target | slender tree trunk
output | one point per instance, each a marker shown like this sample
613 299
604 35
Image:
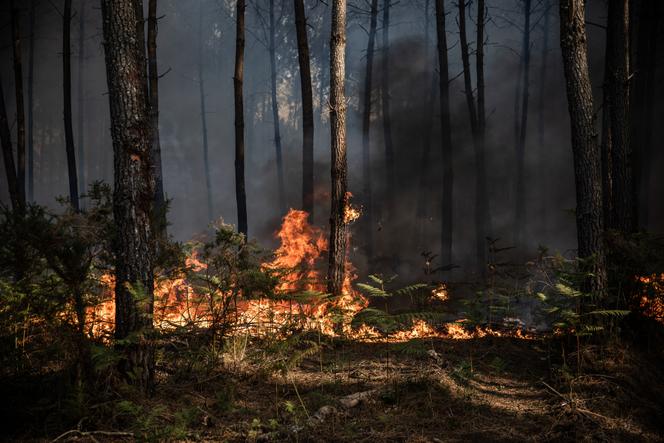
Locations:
366 132
424 195
201 91
622 194
590 226
605 146
387 119
307 110
153 78
446 137
275 112
66 88
31 105
540 114
20 110
240 192
8 154
133 184
520 209
481 197
81 99
337 252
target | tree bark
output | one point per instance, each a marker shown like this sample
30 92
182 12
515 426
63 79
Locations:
387 119
31 102
366 132
338 238
622 186
133 194
589 221
81 100
307 110
520 200
240 192
66 89
201 92
446 137
275 113
8 154
20 110
153 78
481 198
540 121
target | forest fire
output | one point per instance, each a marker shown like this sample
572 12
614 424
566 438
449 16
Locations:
651 300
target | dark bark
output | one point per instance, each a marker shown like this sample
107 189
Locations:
240 192
366 132
541 109
81 100
8 153
66 89
481 198
201 92
338 237
20 110
617 87
275 113
589 221
446 137
153 78
31 103
307 110
605 145
133 184
520 200
387 119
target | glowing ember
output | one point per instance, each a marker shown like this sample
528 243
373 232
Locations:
651 301
440 292
351 213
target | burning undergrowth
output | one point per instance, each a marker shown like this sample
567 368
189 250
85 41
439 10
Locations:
234 288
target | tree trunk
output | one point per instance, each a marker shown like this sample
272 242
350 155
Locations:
337 252
605 146
387 120
20 111
81 100
366 131
307 110
590 226
66 89
481 199
201 91
240 193
520 207
446 137
153 77
31 103
622 182
133 184
8 154
540 120
275 113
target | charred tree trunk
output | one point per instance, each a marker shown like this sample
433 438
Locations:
133 185
153 78
31 105
520 208
387 119
617 78
20 111
540 114
366 132
240 192
605 146
481 198
337 254
307 110
8 154
81 99
589 221
201 92
66 89
275 113
446 137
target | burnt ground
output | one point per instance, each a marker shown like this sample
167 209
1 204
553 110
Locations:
425 390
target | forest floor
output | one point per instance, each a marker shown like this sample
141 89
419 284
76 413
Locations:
424 390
